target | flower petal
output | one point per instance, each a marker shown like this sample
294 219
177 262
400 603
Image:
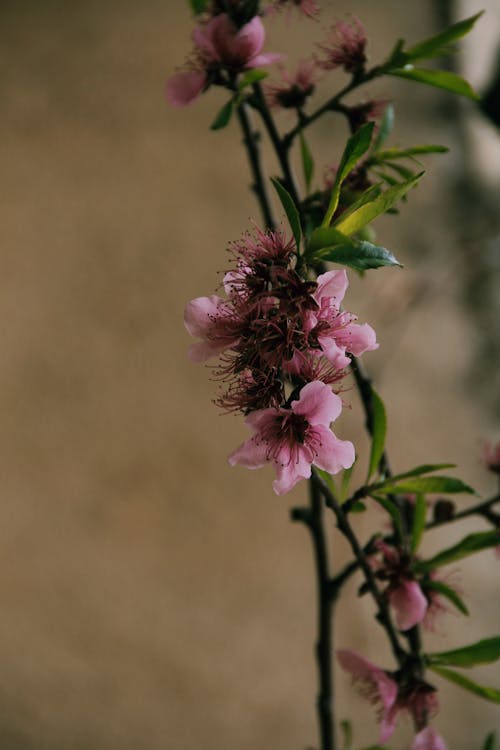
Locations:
333 352
290 471
332 284
359 338
333 454
428 739
252 454
409 604
318 404
385 689
199 314
183 88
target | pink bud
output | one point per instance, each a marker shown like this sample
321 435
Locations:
428 739
409 603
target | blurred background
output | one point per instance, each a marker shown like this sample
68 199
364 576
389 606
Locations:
150 596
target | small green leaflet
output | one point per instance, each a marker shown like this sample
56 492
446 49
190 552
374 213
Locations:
346 727
358 255
467 546
404 153
357 145
438 45
385 127
378 430
418 525
489 693
325 237
442 79
328 480
290 210
251 76
367 197
392 510
354 221
425 485
482 652
223 116
198 6
422 469
346 479
307 162
489 743
449 593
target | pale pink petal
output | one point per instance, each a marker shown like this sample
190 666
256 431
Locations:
409 604
200 312
203 350
203 37
359 338
428 739
249 40
252 454
318 404
385 688
387 725
333 352
266 58
183 88
332 284
289 472
258 419
333 454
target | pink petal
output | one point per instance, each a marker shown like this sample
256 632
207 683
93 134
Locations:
333 352
266 58
199 314
252 454
359 338
364 670
258 419
318 404
387 725
333 454
332 284
203 350
203 37
428 739
183 88
409 604
249 40
289 472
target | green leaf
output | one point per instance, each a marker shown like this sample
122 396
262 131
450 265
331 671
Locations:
367 197
425 485
346 727
198 6
369 211
325 237
346 478
438 45
251 76
418 525
358 507
307 162
290 210
223 116
403 153
360 256
401 170
328 480
442 79
467 546
489 743
423 469
357 145
378 429
489 693
385 127
392 510
449 593
482 652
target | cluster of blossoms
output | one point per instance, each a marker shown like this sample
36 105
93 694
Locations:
284 344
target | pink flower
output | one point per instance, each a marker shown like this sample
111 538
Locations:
345 47
409 604
219 42
212 320
293 439
295 87
392 693
332 330
428 739
491 456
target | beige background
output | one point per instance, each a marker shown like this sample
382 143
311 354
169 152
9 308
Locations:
151 597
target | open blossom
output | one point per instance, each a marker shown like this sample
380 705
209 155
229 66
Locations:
294 88
219 42
390 692
294 438
335 332
403 592
428 739
344 47
210 319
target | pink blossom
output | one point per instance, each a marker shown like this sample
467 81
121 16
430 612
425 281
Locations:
392 693
219 42
211 319
428 739
295 87
293 439
491 456
345 47
334 331
409 604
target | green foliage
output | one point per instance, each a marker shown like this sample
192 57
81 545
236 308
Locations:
358 255
378 429
250 77
488 693
439 44
490 742
442 79
392 510
346 727
346 478
403 153
385 127
290 210
357 145
307 162
364 214
198 6
324 237
418 524
422 469
482 652
467 546
223 116
425 485
449 593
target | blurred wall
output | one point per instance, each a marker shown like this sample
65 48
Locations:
151 597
